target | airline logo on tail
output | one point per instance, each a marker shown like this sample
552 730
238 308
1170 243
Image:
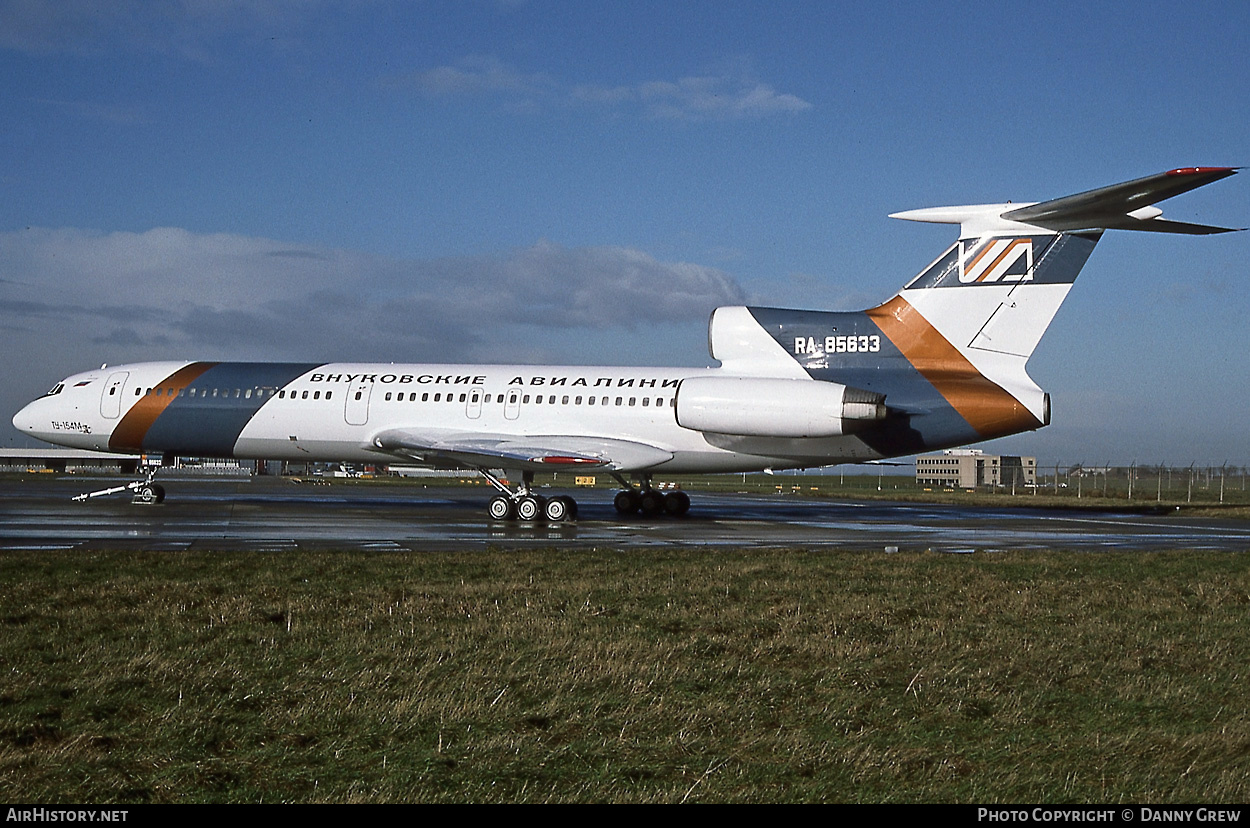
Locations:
996 260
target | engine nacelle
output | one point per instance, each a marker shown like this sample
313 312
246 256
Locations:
760 407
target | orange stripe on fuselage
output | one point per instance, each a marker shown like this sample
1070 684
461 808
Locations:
133 427
986 406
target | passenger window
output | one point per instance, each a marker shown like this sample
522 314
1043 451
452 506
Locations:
316 395
304 396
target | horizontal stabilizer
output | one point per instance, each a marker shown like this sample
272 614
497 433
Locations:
1126 206
1123 206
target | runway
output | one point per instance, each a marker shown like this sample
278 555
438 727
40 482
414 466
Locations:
272 514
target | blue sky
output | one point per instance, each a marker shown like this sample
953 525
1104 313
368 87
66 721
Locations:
582 182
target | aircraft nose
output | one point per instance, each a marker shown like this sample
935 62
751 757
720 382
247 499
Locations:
34 420
24 420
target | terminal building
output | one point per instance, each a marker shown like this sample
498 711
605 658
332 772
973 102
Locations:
80 461
973 469
68 460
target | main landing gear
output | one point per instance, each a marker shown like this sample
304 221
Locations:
526 505
648 501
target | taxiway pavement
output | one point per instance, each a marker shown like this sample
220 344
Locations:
271 514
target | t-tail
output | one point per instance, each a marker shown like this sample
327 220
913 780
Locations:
948 352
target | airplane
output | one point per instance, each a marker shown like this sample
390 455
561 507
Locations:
940 364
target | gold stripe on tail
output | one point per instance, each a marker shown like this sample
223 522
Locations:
987 407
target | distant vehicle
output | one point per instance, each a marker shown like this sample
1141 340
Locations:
940 364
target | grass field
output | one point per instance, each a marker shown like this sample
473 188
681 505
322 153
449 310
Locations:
624 675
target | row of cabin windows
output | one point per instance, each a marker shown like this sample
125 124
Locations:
248 393
537 399
203 393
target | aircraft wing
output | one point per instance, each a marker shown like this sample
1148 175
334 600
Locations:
534 453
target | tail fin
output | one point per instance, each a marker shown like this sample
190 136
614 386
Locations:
976 314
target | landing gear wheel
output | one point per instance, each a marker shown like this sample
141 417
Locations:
501 508
676 503
560 509
626 502
150 493
529 507
651 503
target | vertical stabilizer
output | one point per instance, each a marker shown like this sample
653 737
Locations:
970 321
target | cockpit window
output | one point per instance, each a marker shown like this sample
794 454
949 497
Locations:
56 389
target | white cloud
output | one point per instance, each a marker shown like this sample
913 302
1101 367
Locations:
479 74
229 296
71 299
709 97
735 94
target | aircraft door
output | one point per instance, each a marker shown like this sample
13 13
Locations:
111 396
356 409
473 408
512 404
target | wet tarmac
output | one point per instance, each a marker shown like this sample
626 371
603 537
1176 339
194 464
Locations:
265 514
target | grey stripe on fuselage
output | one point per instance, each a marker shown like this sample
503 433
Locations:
208 425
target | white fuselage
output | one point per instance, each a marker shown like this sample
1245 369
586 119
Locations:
334 412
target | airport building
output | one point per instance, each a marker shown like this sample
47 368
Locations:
973 469
67 460
81 461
